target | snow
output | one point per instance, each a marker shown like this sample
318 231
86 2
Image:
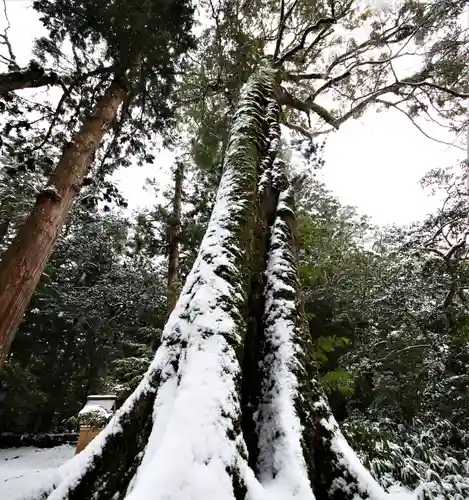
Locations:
196 448
22 467
366 483
95 410
195 441
281 462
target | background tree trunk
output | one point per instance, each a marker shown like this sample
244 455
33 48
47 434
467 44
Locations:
24 261
173 238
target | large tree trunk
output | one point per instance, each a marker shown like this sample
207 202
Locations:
24 261
173 239
184 433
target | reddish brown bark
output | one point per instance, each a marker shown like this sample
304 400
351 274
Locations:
24 261
173 239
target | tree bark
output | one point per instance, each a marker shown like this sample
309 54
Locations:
173 239
24 261
32 77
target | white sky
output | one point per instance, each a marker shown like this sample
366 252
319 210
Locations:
373 163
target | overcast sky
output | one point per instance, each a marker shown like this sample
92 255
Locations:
374 163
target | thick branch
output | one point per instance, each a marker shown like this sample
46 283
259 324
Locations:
31 77
285 98
330 83
291 77
281 29
359 108
452 92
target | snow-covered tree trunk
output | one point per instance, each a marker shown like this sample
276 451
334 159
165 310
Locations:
230 407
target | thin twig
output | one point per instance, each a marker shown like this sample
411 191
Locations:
5 36
414 123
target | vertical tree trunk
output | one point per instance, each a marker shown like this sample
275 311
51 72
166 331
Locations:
173 239
24 261
200 341
182 432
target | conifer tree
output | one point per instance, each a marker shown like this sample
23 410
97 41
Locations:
230 327
142 68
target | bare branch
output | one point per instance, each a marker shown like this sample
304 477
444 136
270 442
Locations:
6 39
400 351
329 84
415 124
309 134
281 29
452 92
323 24
322 34
359 108
460 244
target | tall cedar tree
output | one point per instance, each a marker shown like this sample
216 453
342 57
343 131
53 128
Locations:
142 40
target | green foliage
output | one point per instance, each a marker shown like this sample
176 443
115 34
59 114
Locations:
96 311
338 380
430 458
20 395
388 322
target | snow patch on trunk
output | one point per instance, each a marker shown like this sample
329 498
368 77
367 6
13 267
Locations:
281 464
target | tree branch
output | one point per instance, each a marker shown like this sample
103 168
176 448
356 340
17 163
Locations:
285 98
32 77
324 23
329 84
432 85
292 77
5 38
359 108
67 92
414 123
309 134
281 29
400 351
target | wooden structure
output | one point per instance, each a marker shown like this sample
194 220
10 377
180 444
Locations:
93 417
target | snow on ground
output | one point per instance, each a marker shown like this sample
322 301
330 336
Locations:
22 468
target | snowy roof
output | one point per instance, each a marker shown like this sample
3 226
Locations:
96 409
